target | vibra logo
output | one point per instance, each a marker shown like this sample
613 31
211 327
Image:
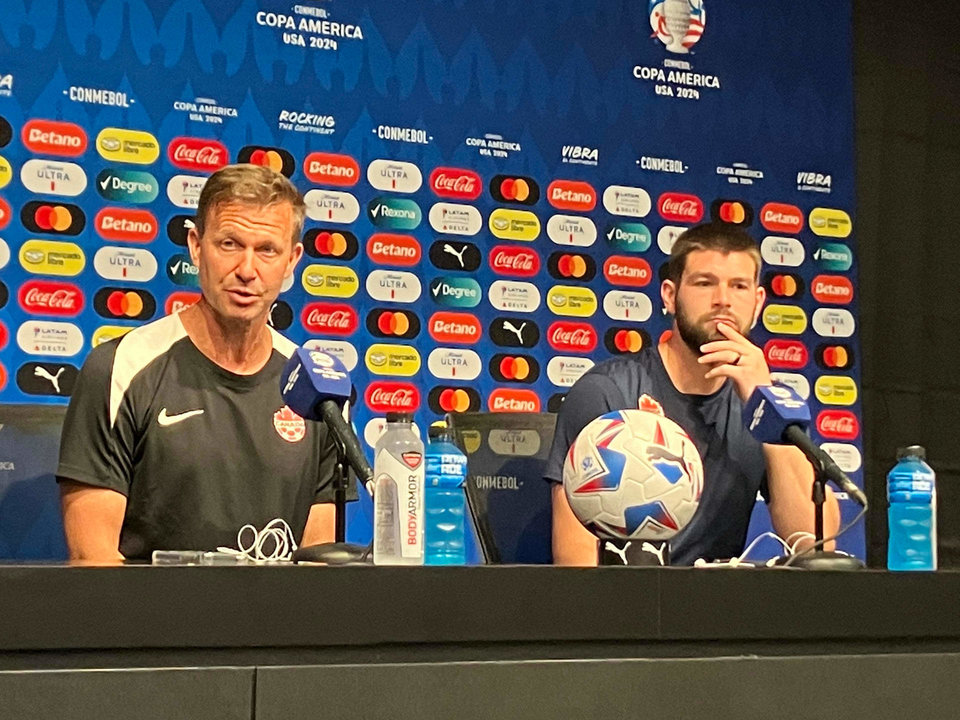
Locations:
572 195
394 176
838 424
781 218
678 25
579 154
571 230
277 159
49 137
393 286
832 289
120 263
814 182
513 400
126 224
449 327
455 292
129 146
331 169
572 337
382 397
40 297
331 206
629 271
786 354
679 207
516 261
454 364
456 183
197 155
390 249
329 319
133 186
49 177
54 219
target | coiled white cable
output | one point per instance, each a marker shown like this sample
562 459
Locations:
277 532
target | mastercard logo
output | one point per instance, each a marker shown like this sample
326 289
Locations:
451 327
124 303
622 341
447 399
393 323
834 357
277 159
330 243
731 212
784 285
514 189
514 368
571 266
53 218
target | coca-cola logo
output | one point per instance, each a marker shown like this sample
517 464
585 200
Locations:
384 397
572 337
51 298
330 318
518 262
679 207
781 218
788 354
456 183
838 424
197 154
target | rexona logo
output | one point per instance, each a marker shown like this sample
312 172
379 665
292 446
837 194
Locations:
277 159
830 222
40 297
46 257
781 218
43 378
832 289
132 186
389 249
512 295
835 390
786 354
124 304
394 176
564 371
394 213
514 189
445 398
629 201
679 207
629 271
455 255
626 305
515 261
54 219
621 340
331 243
571 266
514 332
128 146
180 300
571 301
514 368
330 281
513 400
509 224
783 251
120 263
331 206
572 337
456 183
393 323
182 271
454 364
43 337
833 322
455 219
572 195
329 319
628 237
384 397
398 360
49 137
49 177
833 256
784 319
393 286
455 292
732 212
838 424
331 169
449 327
197 155
571 230
126 224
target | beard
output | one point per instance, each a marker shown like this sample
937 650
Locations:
697 332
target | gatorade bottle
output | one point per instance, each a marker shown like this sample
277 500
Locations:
398 494
446 473
912 517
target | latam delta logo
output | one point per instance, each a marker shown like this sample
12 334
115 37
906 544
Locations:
678 24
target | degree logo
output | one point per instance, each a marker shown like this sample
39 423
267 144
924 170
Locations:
515 296
833 256
456 183
830 222
197 155
397 360
572 195
331 169
838 424
731 212
50 218
571 266
832 289
783 251
628 237
450 327
455 219
383 397
514 189
621 340
834 357
514 332
132 186
784 319
277 159
454 364
128 146
513 400
49 177
50 137
509 224
329 319
391 249
835 390
393 323
784 285
564 370
180 300
572 301
330 243
330 281
45 337
331 206
571 230
456 292
126 225
786 354
394 176
627 305
182 271
446 398
47 257
515 261
629 271
42 297
781 218
624 200
124 304
680 207
394 213
455 255
121 263
393 286
833 322
514 368
572 337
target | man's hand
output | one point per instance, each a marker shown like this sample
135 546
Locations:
736 358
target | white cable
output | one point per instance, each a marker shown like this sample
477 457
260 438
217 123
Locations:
276 531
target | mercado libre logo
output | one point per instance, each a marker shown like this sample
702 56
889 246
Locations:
678 24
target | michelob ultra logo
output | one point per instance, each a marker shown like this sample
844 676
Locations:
572 195
392 249
513 400
627 305
571 301
394 176
628 237
49 177
508 224
564 370
630 271
832 289
330 281
450 327
835 390
457 292
398 360
331 169
454 364
120 263
784 319
132 186
784 251
126 224
830 222
106 333
128 146
46 337
624 200
833 322
47 257
571 230
331 206
50 137
833 256
514 443
455 219
53 218
394 213
514 296
182 271
393 286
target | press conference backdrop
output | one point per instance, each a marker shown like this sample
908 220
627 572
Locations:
492 187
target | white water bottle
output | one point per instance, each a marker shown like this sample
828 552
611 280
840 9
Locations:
398 494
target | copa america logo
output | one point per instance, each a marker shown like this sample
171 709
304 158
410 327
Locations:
678 24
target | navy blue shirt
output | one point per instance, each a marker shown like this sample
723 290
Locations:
733 465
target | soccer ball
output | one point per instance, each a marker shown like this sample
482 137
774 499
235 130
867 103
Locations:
633 475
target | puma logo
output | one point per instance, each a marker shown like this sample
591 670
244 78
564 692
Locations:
54 379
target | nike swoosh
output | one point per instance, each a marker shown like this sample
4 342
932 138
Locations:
166 420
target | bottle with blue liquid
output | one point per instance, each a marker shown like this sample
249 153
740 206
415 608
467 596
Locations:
912 516
445 507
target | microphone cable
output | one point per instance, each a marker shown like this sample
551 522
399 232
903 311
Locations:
819 545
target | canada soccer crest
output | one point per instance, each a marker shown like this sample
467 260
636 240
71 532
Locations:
678 24
289 425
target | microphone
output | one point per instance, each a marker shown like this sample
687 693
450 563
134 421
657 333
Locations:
777 415
315 385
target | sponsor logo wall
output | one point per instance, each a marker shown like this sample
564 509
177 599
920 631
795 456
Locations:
492 190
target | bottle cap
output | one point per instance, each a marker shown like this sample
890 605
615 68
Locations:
439 430
399 417
916 451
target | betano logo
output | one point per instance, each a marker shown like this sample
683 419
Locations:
514 224
572 195
396 360
513 400
50 137
782 218
784 319
571 301
571 230
629 271
330 281
394 176
449 327
835 390
47 257
180 300
331 169
393 286
391 249
126 225
128 146
832 289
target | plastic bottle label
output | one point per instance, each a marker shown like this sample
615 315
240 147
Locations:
407 473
